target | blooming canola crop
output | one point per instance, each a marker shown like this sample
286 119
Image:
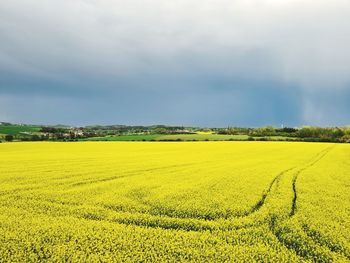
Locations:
174 201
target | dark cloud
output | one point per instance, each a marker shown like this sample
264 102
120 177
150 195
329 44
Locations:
213 63
204 106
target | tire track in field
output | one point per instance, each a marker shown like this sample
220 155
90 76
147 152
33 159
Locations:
306 246
265 194
20 190
167 222
282 233
261 201
133 173
181 224
313 234
319 156
254 209
321 240
86 182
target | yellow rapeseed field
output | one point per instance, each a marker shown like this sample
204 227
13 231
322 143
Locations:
173 202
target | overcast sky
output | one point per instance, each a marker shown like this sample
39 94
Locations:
183 62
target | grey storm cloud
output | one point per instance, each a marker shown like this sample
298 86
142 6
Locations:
243 62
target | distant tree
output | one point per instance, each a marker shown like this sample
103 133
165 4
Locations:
160 130
345 138
9 138
337 132
286 130
308 132
35 138
53 130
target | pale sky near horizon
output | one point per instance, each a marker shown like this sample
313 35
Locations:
184 62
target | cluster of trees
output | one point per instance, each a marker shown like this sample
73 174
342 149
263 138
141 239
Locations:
124 129
308 133
262 131
9 138
58 133
335 134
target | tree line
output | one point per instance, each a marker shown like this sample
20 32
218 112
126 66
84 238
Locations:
308 133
